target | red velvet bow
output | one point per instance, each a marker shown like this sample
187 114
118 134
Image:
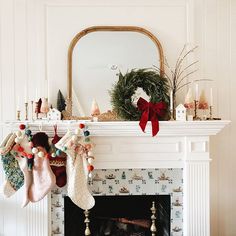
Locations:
150 111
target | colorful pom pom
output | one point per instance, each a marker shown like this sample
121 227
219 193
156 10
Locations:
53 155
30 156
90 167
86 133
28 132
58 152
18 133
17 140
90 154
64 149
90 160
41 154
88 146
22 126
31 144
81 126
35 150
77 131
20 149
24 154
87 139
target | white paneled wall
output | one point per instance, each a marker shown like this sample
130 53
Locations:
32 53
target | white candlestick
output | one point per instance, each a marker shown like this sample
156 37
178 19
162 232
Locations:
196 92
171 100
211 97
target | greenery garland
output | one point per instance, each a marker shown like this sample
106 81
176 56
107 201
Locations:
149 80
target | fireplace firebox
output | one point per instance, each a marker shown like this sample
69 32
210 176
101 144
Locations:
120 216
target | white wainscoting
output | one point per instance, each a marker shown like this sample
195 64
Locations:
26 28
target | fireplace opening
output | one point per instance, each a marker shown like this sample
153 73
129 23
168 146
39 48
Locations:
120 216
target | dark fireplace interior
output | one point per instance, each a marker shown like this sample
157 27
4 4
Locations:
120 216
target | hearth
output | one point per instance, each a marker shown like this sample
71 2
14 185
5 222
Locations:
120 216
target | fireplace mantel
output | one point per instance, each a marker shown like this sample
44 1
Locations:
123 145
129 128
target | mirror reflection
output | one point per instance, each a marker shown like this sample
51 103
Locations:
97 59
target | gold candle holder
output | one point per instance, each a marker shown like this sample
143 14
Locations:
153 219
32 110
36 110
210 113
18 115
26 110
196 117
87 221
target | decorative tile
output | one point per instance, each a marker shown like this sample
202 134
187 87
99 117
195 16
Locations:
129 182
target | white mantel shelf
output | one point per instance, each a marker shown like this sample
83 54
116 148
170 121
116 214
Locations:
128 128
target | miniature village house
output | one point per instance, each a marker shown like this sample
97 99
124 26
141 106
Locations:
180 113
54 114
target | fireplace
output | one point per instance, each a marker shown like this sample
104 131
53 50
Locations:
180 146
123 195
120 216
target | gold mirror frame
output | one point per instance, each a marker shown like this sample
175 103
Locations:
67 114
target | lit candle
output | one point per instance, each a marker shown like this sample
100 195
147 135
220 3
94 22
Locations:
211 97
171 100
26 94
196 92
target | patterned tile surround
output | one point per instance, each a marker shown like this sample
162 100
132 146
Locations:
129 182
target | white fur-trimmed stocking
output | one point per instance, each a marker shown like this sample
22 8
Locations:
76 167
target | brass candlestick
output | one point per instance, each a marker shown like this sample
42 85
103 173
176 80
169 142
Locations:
26 110
153 219
196 117
210 113
18 115
87 221
36 110
32 110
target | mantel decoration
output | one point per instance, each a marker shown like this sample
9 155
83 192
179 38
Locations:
155 87
177 77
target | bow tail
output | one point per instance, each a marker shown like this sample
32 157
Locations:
143 121
155 127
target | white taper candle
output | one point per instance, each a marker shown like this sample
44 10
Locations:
196 92
171 100
211 97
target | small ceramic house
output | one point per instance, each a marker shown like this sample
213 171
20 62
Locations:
180 113
54 114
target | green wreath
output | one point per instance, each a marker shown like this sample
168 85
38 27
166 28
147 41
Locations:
149 80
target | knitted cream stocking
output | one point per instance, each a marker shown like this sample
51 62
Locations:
14 178
76 172
23 163
43 177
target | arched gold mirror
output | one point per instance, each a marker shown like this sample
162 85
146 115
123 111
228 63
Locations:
97 54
